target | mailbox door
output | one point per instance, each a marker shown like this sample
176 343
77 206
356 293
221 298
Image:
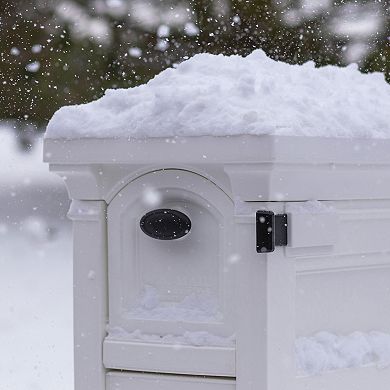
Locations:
171 265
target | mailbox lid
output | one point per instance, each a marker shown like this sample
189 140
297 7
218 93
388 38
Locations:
161 358
217 150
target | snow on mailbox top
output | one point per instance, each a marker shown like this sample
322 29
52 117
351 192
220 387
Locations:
220 95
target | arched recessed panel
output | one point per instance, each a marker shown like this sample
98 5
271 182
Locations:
170 235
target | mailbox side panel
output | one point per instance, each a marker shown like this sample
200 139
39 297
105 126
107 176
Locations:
332 278
341 250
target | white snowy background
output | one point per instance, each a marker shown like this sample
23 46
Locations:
36 272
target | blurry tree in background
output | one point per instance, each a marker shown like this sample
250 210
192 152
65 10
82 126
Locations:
55 53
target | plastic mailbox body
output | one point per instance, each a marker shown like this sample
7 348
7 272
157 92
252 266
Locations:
171 288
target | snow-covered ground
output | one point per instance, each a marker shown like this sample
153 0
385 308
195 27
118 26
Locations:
36 273
36 313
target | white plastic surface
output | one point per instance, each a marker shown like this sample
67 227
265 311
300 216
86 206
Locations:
90 292
333 276
251 168
134 381
182 359
179 291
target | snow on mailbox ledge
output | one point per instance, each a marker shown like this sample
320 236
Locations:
219 95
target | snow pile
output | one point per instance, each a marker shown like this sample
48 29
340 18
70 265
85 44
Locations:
220 95
197 339
199 308
326 351
193 308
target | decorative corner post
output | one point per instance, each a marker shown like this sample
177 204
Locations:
251 348
90 292
266 329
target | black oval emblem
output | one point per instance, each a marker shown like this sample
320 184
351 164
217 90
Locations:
165 224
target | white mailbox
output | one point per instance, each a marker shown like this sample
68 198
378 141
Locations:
222 263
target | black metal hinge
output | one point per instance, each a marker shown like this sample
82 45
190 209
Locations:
271 231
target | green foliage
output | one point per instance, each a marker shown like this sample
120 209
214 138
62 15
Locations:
76 66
